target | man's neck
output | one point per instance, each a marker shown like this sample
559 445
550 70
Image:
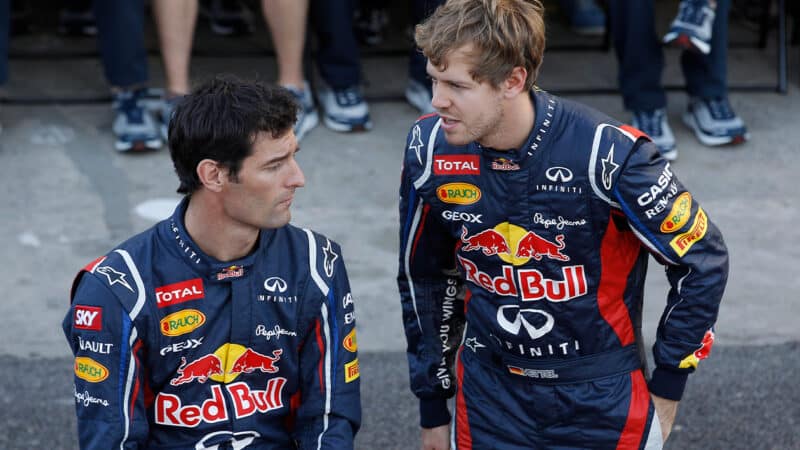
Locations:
518 121
216 234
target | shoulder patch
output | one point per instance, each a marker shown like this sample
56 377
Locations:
610 148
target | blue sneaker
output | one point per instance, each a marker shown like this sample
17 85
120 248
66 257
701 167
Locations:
344 109
307 117
584 16
692 27
654 124
134 126
714 122
419 96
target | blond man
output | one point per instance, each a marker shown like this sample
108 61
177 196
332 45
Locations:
526 224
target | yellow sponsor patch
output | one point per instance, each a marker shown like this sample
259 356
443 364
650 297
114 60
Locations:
458 193
684 241
182 322
90 370
349 342
351 371
679 214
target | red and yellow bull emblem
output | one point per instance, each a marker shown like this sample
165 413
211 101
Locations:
349 342
90 370
684 241
225 365
701 353
351 371
182 322
458 193
679 214
514 244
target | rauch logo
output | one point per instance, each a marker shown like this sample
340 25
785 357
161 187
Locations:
182 322
90 370
458 193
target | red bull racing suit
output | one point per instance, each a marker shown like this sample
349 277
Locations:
176 350
527 268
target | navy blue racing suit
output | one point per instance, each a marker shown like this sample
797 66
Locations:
176 350
527 268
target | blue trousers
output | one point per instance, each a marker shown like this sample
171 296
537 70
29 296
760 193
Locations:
337 49
120 27
5 25
420 9
641 58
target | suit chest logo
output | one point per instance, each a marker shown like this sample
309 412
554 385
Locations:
458 193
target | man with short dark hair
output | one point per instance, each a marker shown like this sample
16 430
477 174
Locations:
222 326
526 225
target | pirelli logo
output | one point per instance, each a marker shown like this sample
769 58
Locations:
684 241
351 371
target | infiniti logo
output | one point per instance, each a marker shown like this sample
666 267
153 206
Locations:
273 284
558 173
520 321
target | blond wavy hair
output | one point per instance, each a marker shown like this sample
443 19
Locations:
503 34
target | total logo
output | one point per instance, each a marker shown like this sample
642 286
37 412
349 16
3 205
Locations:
513 244
175 293
456 165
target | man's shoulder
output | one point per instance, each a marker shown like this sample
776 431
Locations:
120 270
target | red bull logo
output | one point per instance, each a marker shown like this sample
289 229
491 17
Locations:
200 369
490 242
226 364
529 284
701 353
251 361
170 410
513 244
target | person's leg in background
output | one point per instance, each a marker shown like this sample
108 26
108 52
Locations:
288 22
418 91
344 108
709 113
120 28
175 20
641 62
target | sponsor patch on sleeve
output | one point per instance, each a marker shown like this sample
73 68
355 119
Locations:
684 241
349 342
90 370
88 317
351 371
679 214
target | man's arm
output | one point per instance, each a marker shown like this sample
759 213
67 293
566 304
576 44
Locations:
669 220
330 408
109 386
430 295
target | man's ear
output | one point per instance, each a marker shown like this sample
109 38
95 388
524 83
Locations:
515 83
212 175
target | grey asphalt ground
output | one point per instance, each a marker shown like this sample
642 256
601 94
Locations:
69 197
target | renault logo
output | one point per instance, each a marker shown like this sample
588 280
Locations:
561 174
273 284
